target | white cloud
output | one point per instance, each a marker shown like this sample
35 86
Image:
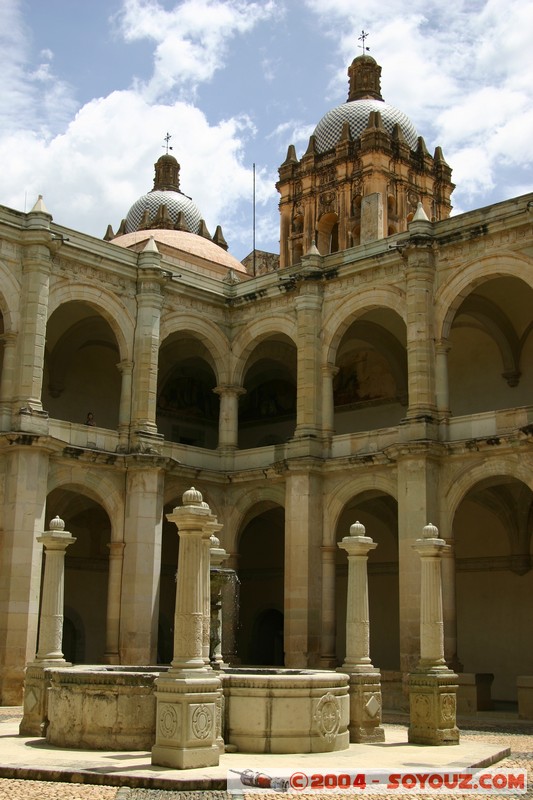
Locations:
462 71
191 40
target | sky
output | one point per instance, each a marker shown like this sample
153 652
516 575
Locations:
89 91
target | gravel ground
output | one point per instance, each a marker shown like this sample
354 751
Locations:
517 736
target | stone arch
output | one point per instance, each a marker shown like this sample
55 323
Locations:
450 295
86 562
242 508
491 527
344 491
463 480
245 342
115 313
337 321
207 332
94 484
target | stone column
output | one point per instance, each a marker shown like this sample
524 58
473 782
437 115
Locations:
432 686
365 679
420 277
328 404
49 652
217 556
188 694
327 645
442 348
114 589
228 418
151 279
125 408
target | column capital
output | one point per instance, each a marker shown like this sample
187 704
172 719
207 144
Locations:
228 389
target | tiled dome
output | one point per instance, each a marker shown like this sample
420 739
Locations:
174 201
356 113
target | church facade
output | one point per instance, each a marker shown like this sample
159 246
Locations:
380 371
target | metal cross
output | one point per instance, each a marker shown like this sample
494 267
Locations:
167 139
362 38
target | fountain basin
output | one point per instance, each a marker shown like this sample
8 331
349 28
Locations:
102 708
286 711
265 711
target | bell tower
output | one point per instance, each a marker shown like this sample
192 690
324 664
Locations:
362 176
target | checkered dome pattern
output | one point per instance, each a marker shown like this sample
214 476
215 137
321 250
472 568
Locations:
328 130
174 201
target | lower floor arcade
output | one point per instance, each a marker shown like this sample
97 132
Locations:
285 599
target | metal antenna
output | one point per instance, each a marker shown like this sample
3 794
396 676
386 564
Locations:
167 139
363 38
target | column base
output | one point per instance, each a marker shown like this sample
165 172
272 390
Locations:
365 707
433 707
187 733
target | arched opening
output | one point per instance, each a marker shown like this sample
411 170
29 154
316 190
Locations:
494 582
187 406
86 574
328 234
491 348
80 367
267 411
378 512
370 386
261 569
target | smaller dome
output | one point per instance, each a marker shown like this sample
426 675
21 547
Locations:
174 202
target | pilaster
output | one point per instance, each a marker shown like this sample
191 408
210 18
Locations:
303 538
142 562
308 407
24 506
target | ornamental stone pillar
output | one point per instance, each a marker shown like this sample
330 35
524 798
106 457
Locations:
365 679
188 694
49 652
432 686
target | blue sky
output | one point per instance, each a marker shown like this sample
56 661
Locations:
89 90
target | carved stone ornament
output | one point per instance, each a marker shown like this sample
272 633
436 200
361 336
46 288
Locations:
168 721
328 716
202 722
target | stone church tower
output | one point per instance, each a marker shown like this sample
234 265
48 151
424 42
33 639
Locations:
363 174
